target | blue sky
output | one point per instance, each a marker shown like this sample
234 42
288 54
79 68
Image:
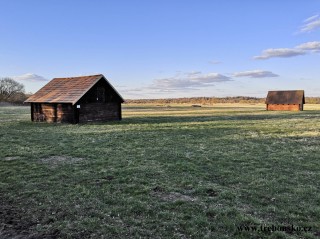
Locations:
167 48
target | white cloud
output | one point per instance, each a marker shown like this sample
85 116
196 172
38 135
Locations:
279 52
209 78
255 74
30 77
313 46
311 24
188 81
311 18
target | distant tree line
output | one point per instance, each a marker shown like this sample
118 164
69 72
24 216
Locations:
313 100
198 100
211 100
12 91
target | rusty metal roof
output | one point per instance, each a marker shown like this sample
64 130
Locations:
67 90
285 97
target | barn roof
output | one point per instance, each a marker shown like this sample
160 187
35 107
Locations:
285 97
67 90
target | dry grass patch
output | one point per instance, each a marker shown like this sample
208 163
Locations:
54 161
11 158
173 196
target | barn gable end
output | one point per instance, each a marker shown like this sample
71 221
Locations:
292 100
76 99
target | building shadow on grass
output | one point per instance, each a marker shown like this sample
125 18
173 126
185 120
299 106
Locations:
209 118
237 116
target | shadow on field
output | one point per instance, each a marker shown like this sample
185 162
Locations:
237 116
206 118
183 108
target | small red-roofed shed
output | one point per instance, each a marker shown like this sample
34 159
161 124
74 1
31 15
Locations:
292 100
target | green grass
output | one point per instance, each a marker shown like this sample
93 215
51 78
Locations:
162 172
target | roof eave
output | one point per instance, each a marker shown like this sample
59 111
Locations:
113 89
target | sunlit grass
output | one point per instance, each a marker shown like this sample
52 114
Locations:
163 172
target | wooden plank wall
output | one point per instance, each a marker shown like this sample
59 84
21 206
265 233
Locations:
283 107
53 113
49 112
43 112
64 113
99 112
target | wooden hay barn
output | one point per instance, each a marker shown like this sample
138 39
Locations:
76 100
292 100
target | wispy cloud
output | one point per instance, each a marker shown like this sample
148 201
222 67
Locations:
214 62
188 81
313 46
279 52
255 74
312 18
30 77
132 90
193 73
311 24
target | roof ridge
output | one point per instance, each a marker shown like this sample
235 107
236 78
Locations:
70 77
284 90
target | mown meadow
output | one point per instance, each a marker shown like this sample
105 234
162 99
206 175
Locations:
220 171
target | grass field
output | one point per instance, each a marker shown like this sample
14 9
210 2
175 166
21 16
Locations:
162 172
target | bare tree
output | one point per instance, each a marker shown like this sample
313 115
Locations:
9 87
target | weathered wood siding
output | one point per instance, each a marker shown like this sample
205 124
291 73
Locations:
100 103
65 113
49 111
99 112
293 107
44 112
